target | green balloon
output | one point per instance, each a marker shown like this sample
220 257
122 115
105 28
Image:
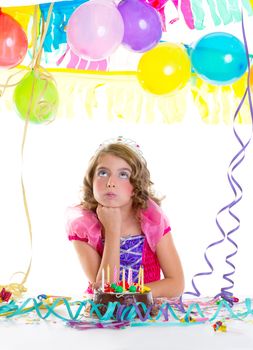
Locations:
36 97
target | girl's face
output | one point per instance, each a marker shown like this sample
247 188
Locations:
111 182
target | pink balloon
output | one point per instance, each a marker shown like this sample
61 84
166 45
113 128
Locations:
95 29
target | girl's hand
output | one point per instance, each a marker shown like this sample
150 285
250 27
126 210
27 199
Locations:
95 285
111 219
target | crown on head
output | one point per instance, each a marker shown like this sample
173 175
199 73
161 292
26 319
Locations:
125 141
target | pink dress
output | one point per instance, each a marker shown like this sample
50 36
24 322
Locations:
83 225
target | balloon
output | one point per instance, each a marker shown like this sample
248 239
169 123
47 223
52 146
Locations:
36 97
219 58
159 5
13 42
95 30
164 69
143 29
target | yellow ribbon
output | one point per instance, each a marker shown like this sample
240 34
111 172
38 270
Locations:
18 288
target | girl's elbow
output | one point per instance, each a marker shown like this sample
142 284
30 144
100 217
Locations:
180 289
177 290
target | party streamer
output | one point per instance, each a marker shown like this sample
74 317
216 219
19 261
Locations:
186 11
77 62
56 34
221 11
73 311
216 104
236 161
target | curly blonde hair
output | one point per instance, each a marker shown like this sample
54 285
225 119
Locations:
140 177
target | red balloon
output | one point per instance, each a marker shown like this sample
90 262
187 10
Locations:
13 42
157 4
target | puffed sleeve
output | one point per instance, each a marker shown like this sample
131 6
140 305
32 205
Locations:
83 225
154 224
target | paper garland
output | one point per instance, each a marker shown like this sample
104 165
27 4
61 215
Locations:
194 12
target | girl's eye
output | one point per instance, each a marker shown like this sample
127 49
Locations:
124 175
102 173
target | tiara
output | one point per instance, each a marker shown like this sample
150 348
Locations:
124 141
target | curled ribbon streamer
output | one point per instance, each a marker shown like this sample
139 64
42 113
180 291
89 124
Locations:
18 289
235 162
35 63
237 159
83 325
32 305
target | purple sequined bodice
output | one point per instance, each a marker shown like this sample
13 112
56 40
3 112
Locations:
131 249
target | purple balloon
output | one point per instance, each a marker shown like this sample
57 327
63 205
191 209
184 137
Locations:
142 25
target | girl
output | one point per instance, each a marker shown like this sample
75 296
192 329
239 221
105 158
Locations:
120 224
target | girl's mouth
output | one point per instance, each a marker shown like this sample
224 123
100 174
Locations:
110 195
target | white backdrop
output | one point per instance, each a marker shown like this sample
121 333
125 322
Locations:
188 162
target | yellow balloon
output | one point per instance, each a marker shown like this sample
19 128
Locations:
164 69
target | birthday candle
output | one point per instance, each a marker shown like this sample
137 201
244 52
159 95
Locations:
108 273
142 279
115 274
103 280
139 277
130 276
123 279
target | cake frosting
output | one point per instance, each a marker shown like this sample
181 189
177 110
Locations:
126 295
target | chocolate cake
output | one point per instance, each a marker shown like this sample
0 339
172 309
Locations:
126 298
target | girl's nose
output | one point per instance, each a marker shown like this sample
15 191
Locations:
110 183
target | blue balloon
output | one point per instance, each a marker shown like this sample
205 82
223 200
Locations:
219 58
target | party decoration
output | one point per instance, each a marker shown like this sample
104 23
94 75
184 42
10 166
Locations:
24 16
74 61
56 34
36 97
219 58
251 78
186 10
221 12
164 69
142 25
5 295
159 5
13 42
217 103
95 30
227 233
